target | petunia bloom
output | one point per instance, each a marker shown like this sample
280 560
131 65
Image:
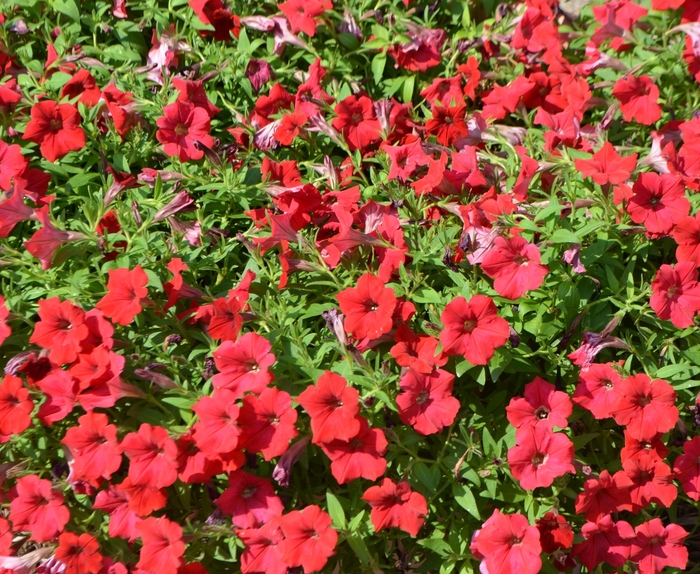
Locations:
396 506
426 402
56 127
540 456
687 468
542 405
309 539
657 547
515 265
676 294
603 495
638 97
126 293
181 127
658 202
360 457
38 509
606 166
368 308
645 406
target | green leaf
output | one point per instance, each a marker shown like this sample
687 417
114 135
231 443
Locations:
358 545
69 8
564 236
464 497
408 85
335 509
671 370
430 478
378 64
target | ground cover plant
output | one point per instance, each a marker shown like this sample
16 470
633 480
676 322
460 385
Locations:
361 286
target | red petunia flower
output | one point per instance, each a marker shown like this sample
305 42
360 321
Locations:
162 545
687 468
267 423
416 352
95 449
218 429
638 97
60 389
426 402
515 265
309 539
262 549
657 547
360 457
38 509
12 164
555 532
333 408
676 294
12 211
646 406
606 166
650 481
181 127
603 495
56 128
598 390
542 405
244 365
122 519
126 294
405 158
153 456
192 91
302 14
447 123
61 329
214 13
368 308
15 406
357 122
606 541
290 127
48 239
686 234
658 202
473 329
507 544
79 554
540 456
396 506
82 86
250 500
423 51
636 447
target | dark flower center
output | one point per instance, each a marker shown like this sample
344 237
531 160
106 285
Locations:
539 459
181 130
422 397
672 291
470 325
644 401
542 412
63 325
357 118
654 200
248 491
56 125
449 120
607 383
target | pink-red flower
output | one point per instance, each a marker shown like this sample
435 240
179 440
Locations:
126 294
515 265
359 457
473 329
426 402
396 506
606 166
540 456
368 308
244 365
61 329
250 500
657 547
646 406
638 97
38 509
56 127
658 202
687 468
507 544
676 294
181 127
309 539
162 545
542 405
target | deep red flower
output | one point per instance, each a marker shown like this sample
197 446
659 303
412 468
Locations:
263 551
396 506
638 97
650 481
368 308
250 500
555 532
61 329
657 547
423 51
333 408
646 406
244 365
676 294
214 13
658 202
606 166
120 108
82 86
181 126
12 164
606 541
284 173
542 405
192 91
290 127
15 406
603 495
153 456
473 329
309 539
507 544
686 234
405 158
79 554
38 509
95 448
515 265
267 423
636 447
48 239
60 389
447 123
162 545
12 211
126 294
416 351
357 122
56 127
426 402
447 91
360 457
122 519
302 14
540 456
598 390
687 468
218 429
